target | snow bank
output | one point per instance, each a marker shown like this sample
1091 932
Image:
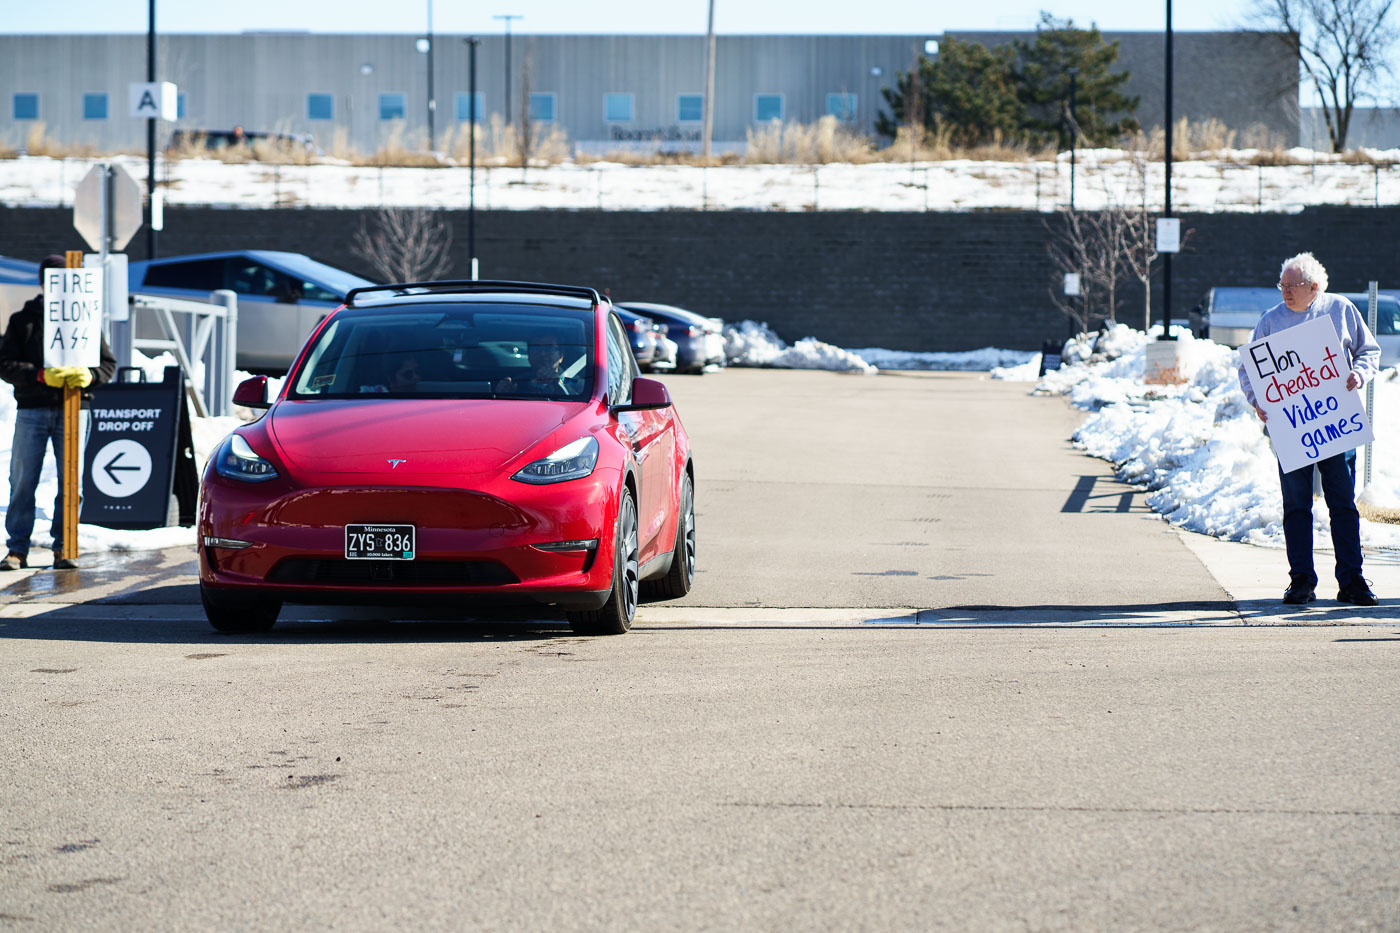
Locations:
1198 447
749 343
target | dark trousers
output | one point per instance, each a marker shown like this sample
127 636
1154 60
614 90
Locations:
1339 490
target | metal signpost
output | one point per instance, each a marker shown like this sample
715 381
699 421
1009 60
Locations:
107 213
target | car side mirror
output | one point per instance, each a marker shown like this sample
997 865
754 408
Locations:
647 395
252 393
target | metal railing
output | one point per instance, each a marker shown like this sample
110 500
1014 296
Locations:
202 337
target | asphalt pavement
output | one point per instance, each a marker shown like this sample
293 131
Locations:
939 671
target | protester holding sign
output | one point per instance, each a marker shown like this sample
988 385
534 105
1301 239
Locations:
39 421
1310 387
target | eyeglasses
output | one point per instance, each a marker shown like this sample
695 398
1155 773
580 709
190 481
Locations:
1292 286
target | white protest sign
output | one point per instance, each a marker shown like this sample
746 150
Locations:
1299 378
72 317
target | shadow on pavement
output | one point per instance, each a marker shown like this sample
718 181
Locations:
299 625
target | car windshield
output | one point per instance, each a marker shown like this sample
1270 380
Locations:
443 350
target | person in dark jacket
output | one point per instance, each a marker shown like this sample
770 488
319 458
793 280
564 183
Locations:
39 421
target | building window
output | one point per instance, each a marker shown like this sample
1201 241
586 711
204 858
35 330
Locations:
542 108
179 106
26 106
391 106
842 107
320 107
94 106
690 108
466 113
767 107
617 108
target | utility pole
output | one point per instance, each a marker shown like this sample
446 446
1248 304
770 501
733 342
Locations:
432 101
508 17
709 83
151 139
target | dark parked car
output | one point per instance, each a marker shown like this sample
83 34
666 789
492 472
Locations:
699 339
641 334
281 296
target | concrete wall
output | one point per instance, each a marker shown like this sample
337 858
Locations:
903 281
262 82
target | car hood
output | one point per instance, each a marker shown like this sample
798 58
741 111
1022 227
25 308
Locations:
424 436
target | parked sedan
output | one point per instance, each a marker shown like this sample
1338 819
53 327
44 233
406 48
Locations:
699 339
641 334
282 297
457 443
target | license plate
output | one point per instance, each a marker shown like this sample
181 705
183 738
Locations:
379 542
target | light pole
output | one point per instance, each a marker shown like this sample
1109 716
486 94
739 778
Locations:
508 17
426 46
1073 135
1167 198
472 43
709 83
151 139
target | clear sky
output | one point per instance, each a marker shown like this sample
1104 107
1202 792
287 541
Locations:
609 16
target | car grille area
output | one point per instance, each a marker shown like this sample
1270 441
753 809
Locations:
391 572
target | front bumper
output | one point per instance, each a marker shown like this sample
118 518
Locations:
472 548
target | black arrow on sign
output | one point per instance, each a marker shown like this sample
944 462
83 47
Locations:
112 465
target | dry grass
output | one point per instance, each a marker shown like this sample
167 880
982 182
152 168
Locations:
827 140
1376 514
500 143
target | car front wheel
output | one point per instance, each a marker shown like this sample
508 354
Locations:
621 608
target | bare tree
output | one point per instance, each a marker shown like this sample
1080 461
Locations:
1092 245
405 244
1342 45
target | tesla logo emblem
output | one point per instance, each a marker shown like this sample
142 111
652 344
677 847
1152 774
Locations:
394 464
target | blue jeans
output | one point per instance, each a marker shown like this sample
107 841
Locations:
1339 490
35 430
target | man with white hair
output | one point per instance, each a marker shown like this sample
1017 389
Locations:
1303 283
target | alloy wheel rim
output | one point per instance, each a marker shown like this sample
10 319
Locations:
630 565
689 520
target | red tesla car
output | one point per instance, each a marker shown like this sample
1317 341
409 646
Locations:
458 443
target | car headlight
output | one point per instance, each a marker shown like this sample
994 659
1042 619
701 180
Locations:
236 460
572 461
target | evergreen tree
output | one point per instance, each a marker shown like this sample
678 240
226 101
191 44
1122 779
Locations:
967 91
1042 74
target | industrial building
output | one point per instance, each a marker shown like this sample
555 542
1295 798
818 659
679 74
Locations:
603 92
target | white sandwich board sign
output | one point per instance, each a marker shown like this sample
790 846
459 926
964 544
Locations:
1299 380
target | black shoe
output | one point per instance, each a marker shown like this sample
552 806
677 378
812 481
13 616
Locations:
1357 593
14 561
1299 592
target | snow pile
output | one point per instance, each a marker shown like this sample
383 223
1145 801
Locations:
749 343
987 358
1198 447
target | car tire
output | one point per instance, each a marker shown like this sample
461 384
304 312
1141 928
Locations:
678 580
239 615
618 612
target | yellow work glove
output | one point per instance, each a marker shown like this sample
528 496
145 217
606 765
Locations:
56 376
79 377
